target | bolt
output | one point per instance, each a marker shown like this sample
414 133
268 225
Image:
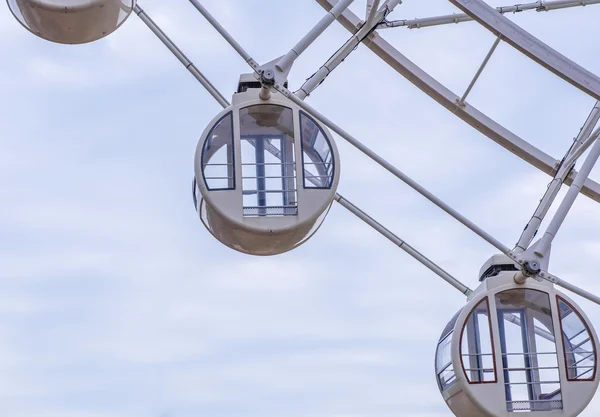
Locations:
268 77
531 268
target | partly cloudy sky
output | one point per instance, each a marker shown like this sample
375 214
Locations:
116 302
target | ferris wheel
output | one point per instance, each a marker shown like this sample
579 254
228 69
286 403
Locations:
267 170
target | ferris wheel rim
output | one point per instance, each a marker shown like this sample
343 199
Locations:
451 101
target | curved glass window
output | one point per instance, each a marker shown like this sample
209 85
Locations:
443 357
580 351
476 349
217 156
529 359
268 163
317 155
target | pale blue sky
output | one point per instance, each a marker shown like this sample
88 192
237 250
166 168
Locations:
114 300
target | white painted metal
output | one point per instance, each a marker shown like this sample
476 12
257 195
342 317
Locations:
340 199
388 166
71 21
285 63
269 229
538 6
222 211
189 65
579 146
215 24
560 215
584 145
531 46
485 378
571 287
372 7
403 245
479 71
449 100
363 31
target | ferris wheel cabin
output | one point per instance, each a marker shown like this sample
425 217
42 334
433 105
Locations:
517 348
71 21
266 171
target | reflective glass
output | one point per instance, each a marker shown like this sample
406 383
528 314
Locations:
443 363
217 156
476 346
317 154
580 351
268 162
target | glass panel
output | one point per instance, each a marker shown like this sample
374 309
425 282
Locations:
529 360
317 154
443 363
217 156
580 351
476 346
268 163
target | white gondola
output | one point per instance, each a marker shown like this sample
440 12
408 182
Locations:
71 21
266 171
499 355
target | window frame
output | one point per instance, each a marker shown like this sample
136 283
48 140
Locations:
591 335
443 386
206 139
460 350
245 137
301 114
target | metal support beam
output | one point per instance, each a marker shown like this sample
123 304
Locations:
546 241
583 147
538 6
215 24
365 29
566 285
531 46
580 144
180 56
372 6
403 245
285 63
395 171
479 71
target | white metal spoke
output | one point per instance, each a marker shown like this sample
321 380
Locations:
584 145
567 203
288 59
361 34
582 141
538 6
372 6
395 171
403 245
215 24
180 56
573 288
